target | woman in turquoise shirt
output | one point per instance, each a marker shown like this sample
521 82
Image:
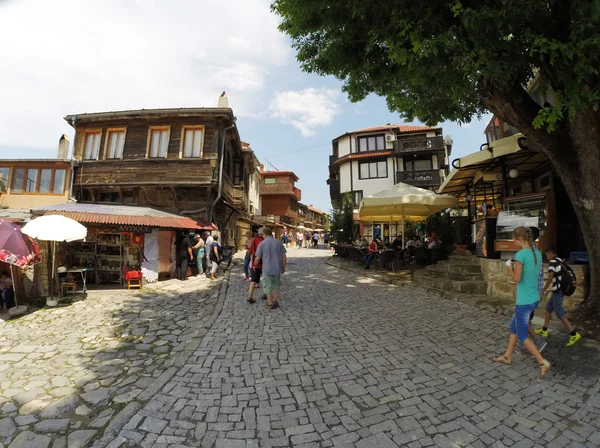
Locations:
524 273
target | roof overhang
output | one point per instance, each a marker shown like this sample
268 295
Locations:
486 166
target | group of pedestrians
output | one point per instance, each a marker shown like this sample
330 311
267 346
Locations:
526 270
202 249
308 240
265 260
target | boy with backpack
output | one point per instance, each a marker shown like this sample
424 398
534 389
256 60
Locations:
563 282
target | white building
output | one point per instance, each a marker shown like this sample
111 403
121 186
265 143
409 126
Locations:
367 161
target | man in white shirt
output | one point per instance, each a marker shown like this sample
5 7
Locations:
315 240
299 238
208 240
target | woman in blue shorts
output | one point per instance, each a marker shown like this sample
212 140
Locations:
524 272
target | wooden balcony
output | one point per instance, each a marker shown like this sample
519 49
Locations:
240 199
419 178
422 144
280 188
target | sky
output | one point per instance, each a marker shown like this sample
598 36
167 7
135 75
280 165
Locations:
65 57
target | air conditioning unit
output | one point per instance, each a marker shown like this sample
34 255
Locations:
390 138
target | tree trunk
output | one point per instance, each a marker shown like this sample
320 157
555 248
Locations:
574 152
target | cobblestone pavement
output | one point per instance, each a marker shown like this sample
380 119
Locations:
345 361
69 373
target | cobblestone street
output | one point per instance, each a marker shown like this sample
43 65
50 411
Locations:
346 361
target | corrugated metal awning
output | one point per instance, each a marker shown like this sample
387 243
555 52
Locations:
146 221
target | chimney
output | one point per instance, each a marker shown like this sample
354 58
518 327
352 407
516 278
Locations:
63 147
223 100
262 167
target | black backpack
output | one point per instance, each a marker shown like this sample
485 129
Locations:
569 280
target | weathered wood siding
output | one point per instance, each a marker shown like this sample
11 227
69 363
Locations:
144 172
136 137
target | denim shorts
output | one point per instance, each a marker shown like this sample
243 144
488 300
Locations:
556 304
519 323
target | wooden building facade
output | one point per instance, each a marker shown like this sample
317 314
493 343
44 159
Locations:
184 161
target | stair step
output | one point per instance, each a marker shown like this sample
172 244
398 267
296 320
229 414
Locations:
467 268
447 284
464 259
452 274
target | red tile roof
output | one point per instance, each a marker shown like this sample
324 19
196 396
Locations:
402 128
316 210
363 155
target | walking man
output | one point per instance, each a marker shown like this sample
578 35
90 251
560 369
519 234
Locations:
185 254
316 240
271 254
208 244
255 265
299 238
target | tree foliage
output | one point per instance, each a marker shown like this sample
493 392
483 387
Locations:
342 221
446 60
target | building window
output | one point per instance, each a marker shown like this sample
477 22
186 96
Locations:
109 196
371 143
59 181
354 196
373 170
237 173
418 165
115 142
158 141
271 180
92 145
4 173
38 181
192 141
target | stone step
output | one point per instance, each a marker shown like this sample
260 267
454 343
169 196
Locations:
448 272
468 268
464 259
447 284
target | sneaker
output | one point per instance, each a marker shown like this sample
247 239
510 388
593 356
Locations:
542 332
519 348
540 344
573 339
544 367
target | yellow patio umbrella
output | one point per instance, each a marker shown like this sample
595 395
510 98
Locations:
403 202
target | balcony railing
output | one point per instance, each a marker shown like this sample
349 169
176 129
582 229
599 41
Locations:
419 178
419 144
280 188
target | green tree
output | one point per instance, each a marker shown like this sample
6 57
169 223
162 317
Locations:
454 59
342 221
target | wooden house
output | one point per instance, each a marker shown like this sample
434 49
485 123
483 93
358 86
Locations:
187 161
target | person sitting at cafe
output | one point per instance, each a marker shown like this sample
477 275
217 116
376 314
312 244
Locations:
371 253
363 242
432 242
397 243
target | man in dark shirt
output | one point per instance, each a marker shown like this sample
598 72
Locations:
397 243
185 254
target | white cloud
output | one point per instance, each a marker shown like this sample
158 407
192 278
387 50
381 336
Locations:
72 56
306 109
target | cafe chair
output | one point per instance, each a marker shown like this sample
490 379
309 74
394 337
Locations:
68 287
387 258
134 279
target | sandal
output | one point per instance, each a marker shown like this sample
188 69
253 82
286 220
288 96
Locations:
251 300
544 367
264 297
269 306
275 304
502 360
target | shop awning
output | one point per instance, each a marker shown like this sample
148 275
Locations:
487 165
123 215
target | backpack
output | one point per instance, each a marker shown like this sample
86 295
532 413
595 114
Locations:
569 280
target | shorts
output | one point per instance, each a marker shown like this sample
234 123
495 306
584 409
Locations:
255 275
556 304
519 323
271 283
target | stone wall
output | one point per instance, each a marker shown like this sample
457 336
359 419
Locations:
501 285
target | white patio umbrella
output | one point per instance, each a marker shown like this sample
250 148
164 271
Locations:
55 228
403 202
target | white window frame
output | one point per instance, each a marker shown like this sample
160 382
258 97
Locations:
88 133
152 129
109 133
184 128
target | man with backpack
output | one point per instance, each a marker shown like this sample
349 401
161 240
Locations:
562 279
